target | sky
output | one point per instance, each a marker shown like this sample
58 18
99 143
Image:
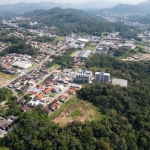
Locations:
71 1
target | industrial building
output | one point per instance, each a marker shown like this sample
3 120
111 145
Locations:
102 77
83 76
84 40
22 64
121 82
84 54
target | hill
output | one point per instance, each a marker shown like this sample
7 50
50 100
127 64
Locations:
126 8
70 20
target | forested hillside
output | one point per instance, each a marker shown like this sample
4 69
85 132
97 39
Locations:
77 21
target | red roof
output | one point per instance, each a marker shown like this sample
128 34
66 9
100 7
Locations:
54 105
40 96
47 110
40 86
48 89
33 93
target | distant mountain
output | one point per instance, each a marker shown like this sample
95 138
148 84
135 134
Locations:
143 8
25 7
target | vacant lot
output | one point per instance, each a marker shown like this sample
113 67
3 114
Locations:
75 109
5 78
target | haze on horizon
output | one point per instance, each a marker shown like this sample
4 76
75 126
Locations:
70 1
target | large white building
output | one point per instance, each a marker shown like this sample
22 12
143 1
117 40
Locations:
83 76
22 64
102 77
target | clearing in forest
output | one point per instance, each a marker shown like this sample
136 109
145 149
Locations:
75 110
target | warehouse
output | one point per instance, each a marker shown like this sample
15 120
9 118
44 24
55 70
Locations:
84 54
83 40
22 64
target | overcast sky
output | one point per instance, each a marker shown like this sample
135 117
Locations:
71 1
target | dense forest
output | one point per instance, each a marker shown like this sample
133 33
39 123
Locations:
125 123
20 48
64 60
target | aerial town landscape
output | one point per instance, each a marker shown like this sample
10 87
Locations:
69 77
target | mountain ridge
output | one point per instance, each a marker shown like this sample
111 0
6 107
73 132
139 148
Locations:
142 8
25 7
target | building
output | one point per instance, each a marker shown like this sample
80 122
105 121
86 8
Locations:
83 76
22 64
120 82
84 54
102 77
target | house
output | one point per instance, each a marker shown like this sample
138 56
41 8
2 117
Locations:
54 106
55 89
47 110
34 93
5 124
22 102
64 97
40 86
25 108
71 91
34 102
76 86
48 90
40 96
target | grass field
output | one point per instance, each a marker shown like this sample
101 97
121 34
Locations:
32 67
74 53
59 38
75 109
90 48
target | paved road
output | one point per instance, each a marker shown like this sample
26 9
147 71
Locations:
96 48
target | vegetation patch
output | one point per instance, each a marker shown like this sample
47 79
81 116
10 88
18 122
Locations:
4 148
75 113
52 94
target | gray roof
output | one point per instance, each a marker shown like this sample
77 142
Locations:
121 82
84 54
